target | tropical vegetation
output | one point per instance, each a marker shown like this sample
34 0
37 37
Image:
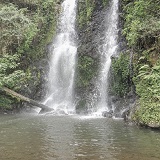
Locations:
142 32
26 27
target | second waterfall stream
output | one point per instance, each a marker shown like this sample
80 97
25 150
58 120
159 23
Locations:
107 49
60 95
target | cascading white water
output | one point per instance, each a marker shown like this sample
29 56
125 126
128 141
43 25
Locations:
63 61
107 49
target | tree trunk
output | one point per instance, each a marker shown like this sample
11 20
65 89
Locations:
26 99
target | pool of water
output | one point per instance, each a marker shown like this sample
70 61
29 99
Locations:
48 137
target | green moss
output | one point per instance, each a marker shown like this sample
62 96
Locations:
142 22
87 69
105 2
5 103
148 112
85 12
81 106
121 81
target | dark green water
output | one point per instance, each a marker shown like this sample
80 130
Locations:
33 137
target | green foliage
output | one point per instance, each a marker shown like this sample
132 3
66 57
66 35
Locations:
23 30
26 28
121 75
148 113
9 75
86 70
18 2
149 77
142 28
105 2
141 20
85 12
5 103
15 28
46 18
86 9
148 88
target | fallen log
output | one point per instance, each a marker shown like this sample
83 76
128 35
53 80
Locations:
26 99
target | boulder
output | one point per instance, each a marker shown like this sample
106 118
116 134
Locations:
107 114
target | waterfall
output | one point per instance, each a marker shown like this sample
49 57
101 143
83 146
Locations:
107 49
60 95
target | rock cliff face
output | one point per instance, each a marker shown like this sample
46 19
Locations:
90 26
91 31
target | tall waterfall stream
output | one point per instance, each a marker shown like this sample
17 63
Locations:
107 48
63 61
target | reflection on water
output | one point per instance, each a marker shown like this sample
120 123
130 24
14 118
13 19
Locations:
31 137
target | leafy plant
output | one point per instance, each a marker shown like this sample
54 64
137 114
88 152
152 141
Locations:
148 88
85 12
121 75
141 29
15 28
86 70
5 103
9 75
141 20
26 28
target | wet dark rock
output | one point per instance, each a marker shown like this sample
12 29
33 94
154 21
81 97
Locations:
154 125
114 99
107 114
35 88
59 111
125 114
46 110
90 36
123 106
